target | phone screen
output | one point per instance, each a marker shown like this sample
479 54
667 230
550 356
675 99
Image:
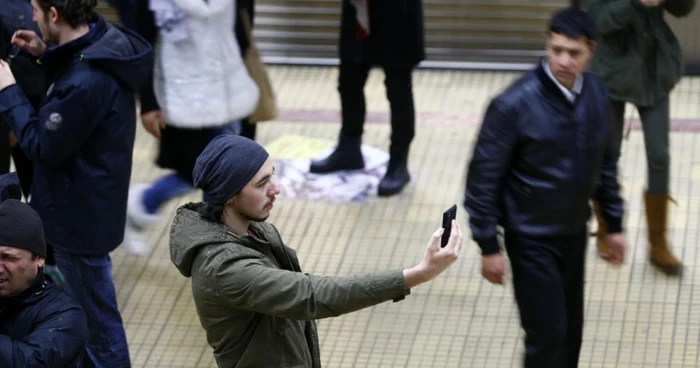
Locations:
447 218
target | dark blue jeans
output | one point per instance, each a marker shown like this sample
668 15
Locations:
89 281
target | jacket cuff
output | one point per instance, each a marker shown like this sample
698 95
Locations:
147 97
390 285
613 225
11 96
489 246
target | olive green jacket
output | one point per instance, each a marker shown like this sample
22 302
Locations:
255 304
638 56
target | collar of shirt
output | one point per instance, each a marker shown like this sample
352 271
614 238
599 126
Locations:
569 94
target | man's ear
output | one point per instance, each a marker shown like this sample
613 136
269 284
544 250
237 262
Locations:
593 45
53 15
40 261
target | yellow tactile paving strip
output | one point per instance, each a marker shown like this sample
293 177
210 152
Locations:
635 316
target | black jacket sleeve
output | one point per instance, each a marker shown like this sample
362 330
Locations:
146 28
56 341
608 192
487 172
249 7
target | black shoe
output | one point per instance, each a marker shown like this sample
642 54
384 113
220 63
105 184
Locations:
347 156
397 176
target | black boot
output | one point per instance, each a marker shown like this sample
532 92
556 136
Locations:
347 156
397 175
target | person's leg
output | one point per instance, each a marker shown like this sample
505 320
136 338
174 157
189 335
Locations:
536 264
348 153
656 125
399 92
143 206
574 277
164 189
89 281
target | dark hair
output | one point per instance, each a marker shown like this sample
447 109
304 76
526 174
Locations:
212 212
573 22
75 12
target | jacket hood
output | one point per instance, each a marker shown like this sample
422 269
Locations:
117 50
190 232
122 53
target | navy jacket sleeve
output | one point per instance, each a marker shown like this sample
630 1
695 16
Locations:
487 171
146 28
60 128
608 192
56 341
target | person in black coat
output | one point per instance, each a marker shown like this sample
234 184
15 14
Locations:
40 325
543 151
14 15
390 36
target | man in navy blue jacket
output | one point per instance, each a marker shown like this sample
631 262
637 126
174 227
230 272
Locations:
81 143
542 153
40 325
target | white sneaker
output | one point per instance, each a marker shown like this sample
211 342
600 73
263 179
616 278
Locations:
137 221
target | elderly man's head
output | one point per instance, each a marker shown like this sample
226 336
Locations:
22 247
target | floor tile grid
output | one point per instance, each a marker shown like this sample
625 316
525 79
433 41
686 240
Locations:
418 332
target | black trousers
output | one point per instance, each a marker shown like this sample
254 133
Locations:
548 278
399 92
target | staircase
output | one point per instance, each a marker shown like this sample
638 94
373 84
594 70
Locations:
503 34
483 34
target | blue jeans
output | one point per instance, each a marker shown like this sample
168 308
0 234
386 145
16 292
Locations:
88 279
164 189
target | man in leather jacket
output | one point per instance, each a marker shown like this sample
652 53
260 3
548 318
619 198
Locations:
543 151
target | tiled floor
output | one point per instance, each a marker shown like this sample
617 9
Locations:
636 317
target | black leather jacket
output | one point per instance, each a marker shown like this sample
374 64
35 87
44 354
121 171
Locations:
538 161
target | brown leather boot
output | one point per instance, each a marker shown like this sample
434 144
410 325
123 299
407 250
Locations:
602 231
659 253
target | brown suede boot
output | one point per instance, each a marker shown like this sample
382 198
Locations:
602 231
659 253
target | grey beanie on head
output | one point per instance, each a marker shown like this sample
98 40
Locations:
227 164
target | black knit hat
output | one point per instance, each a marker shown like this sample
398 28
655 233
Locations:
21 227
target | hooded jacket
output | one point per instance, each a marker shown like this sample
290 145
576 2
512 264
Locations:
253 300
82 138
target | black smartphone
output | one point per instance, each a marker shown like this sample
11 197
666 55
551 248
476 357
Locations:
447 218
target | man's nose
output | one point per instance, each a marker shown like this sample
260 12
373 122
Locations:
274 189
